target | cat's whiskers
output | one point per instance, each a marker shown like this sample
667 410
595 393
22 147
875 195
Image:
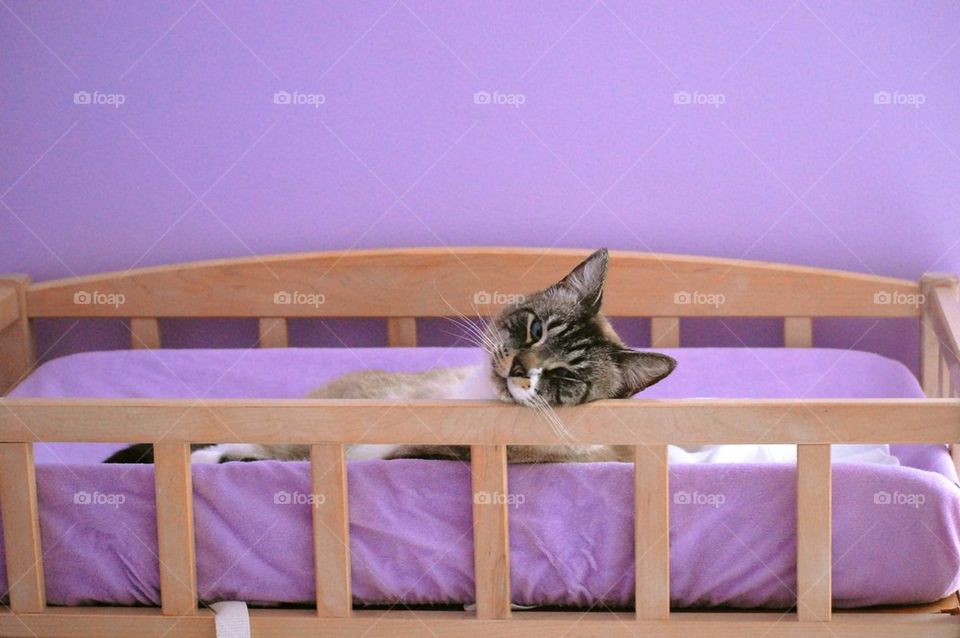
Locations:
489 340
473 334
553 419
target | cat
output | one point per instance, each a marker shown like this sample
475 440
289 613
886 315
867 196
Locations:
551 348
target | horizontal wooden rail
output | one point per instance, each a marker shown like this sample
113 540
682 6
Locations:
108 622
436 282
637 422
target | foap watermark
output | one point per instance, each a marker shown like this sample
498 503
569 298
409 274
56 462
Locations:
297 298
496 98
898 498
298 98
897 298
98 498
697 298
716 100
498 498
699 498
97 298
897 98
96 98
496 298
298 498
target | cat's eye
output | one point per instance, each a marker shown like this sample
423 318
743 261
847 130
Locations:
536 330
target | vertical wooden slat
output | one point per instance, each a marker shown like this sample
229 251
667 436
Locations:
929 358
402 332
17 355
665 332
652 532
144 333
21 527
491 536
797 332
814 537
929 344
273 332
943 377
175 531
331 530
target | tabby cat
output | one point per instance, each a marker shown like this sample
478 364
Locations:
551 348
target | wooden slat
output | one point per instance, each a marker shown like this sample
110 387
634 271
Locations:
115 622
175 530
437 282
402 332
331 531
647 421
939 326
814 539
665 332
491 543
9 307
144 333
273 332
17 355
652 532
798 332
944 388
929 357
21 528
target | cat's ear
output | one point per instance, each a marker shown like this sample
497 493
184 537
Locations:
639 370
586 280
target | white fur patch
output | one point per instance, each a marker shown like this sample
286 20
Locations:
365 452
233 450
525 396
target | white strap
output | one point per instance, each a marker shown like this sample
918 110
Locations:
233 621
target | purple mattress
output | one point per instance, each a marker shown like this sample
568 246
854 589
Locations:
896 528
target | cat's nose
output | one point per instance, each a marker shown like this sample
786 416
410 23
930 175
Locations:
517 369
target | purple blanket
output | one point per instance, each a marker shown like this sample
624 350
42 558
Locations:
896 529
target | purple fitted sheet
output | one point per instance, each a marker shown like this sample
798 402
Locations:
732 526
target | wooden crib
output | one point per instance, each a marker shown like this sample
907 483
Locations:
402 285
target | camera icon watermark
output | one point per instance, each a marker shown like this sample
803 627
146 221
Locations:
98 498
697 298
897 98
496 98
683 497
296 98
897 298
696 98
498 498
283 497
96 98
297 298
898 498
97 298
496 298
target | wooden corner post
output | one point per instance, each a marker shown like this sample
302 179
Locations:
930 368
16 339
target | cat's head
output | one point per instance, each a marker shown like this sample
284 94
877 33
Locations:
556 345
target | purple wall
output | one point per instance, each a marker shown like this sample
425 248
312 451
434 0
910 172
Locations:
740 129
